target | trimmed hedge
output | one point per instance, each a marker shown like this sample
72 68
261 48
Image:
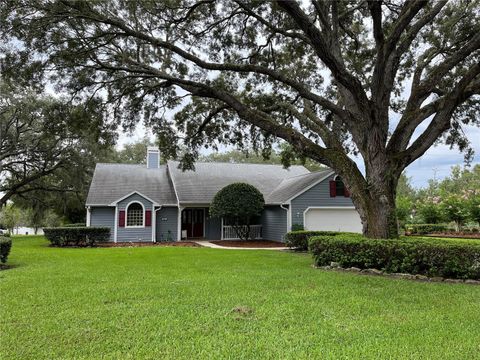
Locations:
75 225
77 236
422 229
445 258
298 240
5 246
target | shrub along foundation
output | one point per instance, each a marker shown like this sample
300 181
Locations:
448 259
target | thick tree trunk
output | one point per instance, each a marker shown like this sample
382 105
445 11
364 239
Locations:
375 201
379 218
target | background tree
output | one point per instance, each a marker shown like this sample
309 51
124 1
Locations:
283 155
474 207
10 217
132 153
238 203
429 210
329 78
455 209
46 144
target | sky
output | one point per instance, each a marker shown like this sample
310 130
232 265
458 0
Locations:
437 161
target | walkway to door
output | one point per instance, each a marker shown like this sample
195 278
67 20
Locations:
215 246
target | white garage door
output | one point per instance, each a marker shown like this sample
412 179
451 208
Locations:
333 220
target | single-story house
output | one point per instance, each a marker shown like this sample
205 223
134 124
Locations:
156 202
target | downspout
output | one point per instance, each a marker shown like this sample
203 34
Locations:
154 224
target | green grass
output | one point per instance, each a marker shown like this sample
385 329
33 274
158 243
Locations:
170 303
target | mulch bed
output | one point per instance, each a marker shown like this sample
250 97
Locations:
249 244
142 244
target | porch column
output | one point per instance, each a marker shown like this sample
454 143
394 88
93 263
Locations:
89 214
179 223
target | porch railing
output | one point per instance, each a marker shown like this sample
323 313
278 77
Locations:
229 233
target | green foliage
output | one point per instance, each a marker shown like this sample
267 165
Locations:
404 206
405 188
298 239
5 246
239 202
455 208
10 217
474 208
296 312
74 225
77 236
447 259
423 229
429 211
297 227
284 155
48 144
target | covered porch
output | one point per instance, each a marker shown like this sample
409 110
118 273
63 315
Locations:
196 224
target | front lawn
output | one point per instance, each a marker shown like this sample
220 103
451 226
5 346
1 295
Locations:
198 303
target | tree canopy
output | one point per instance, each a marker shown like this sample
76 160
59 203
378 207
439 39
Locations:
238 203
382 79
46 144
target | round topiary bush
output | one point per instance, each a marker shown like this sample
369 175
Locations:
239 202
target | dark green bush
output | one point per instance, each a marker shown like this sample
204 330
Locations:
297 227
445 258
422 229
298 240
74 225
77 236
5 246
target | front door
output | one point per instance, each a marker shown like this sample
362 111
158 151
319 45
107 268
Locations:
192 222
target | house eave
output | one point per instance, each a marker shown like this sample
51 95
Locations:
114 203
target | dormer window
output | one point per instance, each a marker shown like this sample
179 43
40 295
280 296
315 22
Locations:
135 216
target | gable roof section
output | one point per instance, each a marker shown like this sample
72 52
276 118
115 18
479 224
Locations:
111 182
201 185
133 193
293 186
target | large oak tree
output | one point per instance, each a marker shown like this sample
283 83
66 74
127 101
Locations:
48 146
382 79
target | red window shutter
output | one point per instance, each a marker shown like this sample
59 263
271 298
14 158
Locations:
347 193
121 218
333 188
148 218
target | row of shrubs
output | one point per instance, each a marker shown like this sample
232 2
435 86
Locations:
423 229
76 236
5 246
442 258
298 240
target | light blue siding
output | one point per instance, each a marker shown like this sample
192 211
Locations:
141 234
274 223
166 220
103 216
319 195
153 159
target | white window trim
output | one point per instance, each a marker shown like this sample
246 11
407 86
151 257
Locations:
126 216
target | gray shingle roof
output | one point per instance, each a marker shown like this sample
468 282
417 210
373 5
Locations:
201 185
291 186
113 181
